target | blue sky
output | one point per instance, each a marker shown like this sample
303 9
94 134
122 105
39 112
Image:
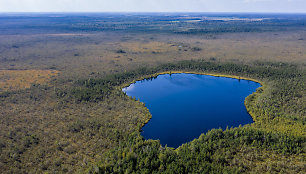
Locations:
274 6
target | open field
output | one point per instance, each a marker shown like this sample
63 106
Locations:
80 46
22 79
77 119
83 55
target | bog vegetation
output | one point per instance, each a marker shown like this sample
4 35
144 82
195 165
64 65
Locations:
81 121
278 127
21 79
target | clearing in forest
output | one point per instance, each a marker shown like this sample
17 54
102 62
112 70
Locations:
21 79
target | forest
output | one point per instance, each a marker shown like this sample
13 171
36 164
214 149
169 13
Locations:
215 151
62 109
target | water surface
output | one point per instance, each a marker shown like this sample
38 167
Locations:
185 105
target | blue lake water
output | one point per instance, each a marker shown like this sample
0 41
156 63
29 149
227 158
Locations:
185 105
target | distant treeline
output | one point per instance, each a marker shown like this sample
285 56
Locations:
158 23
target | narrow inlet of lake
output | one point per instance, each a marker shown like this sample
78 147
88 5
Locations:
185 105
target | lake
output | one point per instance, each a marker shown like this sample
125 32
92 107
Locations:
185 105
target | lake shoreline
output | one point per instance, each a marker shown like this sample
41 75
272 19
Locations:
199 73
191 72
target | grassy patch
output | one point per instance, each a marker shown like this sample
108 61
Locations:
11 80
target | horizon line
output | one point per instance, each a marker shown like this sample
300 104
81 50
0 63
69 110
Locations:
12 12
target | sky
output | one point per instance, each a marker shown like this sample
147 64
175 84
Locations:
272 6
